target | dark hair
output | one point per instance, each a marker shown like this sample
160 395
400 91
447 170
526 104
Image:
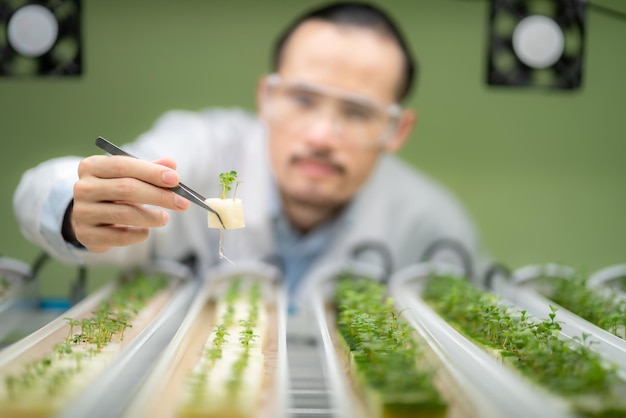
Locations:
362 15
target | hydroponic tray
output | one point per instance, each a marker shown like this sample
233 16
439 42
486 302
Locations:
473 384
56 372
496 391
527 288
170 388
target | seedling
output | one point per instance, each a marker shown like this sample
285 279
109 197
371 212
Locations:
230 210
383 348
216 364
220 336
226 181
246 336
49 377
530 345
72 323
602 307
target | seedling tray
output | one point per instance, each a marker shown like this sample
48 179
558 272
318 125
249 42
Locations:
571 377
101 377
456 389
527 288
496 391
165 391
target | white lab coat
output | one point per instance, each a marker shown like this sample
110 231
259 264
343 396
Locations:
398 206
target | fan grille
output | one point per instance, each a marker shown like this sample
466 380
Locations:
22 33
507 68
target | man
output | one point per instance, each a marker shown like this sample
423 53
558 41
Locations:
316 165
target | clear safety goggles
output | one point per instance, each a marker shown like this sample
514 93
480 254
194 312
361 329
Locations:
353 118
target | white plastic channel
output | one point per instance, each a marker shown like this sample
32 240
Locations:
321 289
521 293
157 380
337 381
493 387
605 275
82 308
121 380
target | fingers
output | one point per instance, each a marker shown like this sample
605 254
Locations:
125 179
127 190
104 213
114 198
167 162
100 226
159 174
103 238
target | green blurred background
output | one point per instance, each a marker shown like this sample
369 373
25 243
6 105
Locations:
542 173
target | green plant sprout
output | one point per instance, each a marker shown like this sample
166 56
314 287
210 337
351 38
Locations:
73 323
199 396
239 366
226 180
246 336
220 335
602 307
383 349
62 348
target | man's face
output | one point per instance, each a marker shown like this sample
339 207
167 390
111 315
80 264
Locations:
319 163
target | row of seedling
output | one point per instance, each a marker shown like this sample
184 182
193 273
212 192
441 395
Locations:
389 366
227 380
567 368
45 384
603 306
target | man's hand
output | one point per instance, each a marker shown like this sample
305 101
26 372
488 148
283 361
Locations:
110 195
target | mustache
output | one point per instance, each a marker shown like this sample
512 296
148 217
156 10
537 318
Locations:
321 157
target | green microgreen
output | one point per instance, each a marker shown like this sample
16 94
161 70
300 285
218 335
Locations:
226 181
602 307
531 345
382 345
214 348
108 321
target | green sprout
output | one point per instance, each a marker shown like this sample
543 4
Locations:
531 345
226 180
212 354
247 336
603 308
220 336
382 346
108 321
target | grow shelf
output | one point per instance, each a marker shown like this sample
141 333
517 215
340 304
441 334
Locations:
529 288
228 357
346 385
98 351
496 391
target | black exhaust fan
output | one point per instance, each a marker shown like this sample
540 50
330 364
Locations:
40 38
536 43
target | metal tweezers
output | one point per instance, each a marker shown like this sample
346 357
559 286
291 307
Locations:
180 190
